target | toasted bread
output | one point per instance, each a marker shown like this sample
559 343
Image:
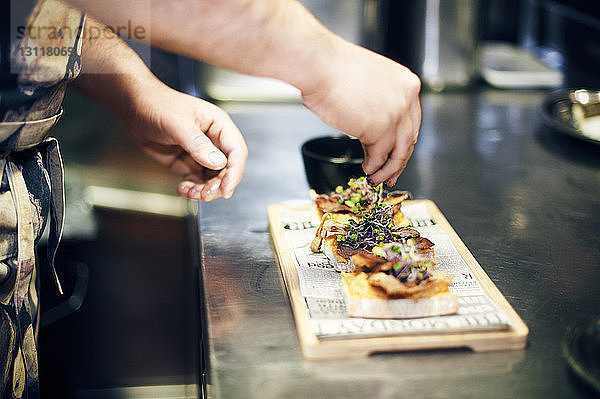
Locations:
365 300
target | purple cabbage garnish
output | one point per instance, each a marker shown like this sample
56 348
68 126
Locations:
376 226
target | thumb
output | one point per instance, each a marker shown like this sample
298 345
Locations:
202 150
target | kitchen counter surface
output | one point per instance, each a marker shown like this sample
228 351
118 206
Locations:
523 198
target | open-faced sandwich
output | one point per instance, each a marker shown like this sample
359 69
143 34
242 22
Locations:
358 195
341 235
397 280
356 206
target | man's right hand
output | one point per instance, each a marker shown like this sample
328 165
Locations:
373 99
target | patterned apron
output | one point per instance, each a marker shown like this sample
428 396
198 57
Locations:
31 184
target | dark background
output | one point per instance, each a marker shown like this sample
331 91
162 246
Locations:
569 27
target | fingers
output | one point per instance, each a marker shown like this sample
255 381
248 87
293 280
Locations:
214 126
207 185
201 148
231 142
383 165
184 165
394 166
376 155
206 192
235 169
201 186
199 183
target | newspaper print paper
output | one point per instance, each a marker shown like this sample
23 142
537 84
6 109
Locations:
320 285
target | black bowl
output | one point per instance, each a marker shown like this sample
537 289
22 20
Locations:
331 161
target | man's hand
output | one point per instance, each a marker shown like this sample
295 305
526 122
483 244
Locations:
195 139
374 99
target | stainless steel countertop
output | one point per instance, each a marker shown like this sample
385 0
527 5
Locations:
524 199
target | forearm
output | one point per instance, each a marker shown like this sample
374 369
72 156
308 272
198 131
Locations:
278 39
112 73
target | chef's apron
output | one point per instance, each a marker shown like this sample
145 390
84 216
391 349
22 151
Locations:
31 178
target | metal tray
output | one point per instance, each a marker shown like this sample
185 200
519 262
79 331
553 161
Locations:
576 347
564 111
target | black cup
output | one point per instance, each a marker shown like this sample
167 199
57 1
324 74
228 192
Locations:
331 161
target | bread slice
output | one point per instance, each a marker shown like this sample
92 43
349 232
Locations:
330 248
365 300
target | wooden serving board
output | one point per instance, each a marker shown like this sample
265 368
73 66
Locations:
512 336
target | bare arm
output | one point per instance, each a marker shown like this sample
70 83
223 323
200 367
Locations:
195 139
268 38
350 88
